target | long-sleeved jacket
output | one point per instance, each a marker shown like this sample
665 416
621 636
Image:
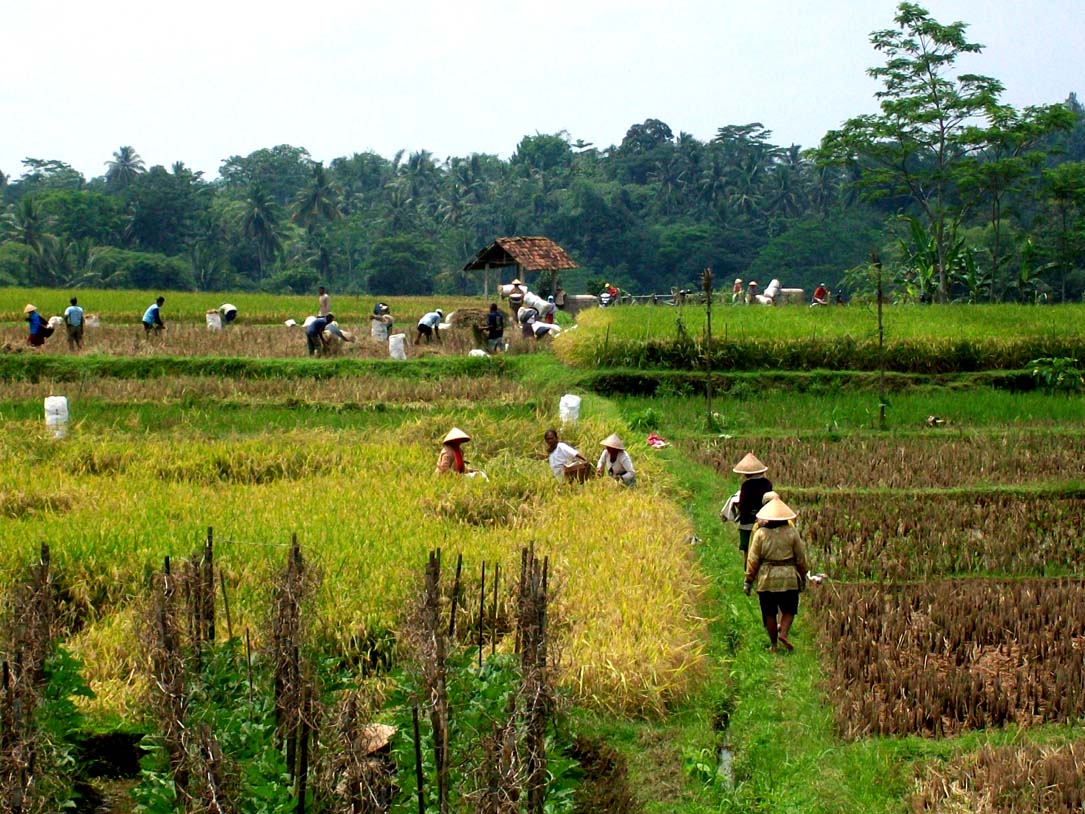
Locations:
776 559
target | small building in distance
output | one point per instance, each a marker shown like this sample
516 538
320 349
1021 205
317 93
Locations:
537 254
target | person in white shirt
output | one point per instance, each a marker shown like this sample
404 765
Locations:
428 326
560 454
323 302
615 461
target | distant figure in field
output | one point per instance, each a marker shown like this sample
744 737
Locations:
314 332
517 291
565 461
544 330
323 302
451 457
526 316
73 324
38 328
228 313
428 326
736 291
821 296
495 329
152 317
615 461
751 292
777 564
750 497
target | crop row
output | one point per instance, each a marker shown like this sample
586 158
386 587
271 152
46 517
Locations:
917 340
903 356
250 341
914 536
338 392
1017 779
366 506
127 307
943 657
936 459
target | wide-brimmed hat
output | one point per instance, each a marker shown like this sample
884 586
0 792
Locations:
612 441
776 509
29 308
456 434
439 312
753 282
750 466
517 281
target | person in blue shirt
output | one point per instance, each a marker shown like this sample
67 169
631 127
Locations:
73 323
152 317
39 330
314 333
495 329
427 326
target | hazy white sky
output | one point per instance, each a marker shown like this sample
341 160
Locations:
200 81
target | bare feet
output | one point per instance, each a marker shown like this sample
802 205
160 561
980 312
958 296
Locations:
784 641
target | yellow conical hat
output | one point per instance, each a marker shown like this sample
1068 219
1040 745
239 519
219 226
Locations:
456 434
776 509
612 441
750 466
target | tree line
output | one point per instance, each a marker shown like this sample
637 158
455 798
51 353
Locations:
961 195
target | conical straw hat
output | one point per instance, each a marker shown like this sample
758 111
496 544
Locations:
30 308
456 434
613 442
750 466
517 281
776 510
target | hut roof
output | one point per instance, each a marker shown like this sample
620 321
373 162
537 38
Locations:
530 253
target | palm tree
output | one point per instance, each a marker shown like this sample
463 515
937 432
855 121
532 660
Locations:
260 224
123 169
316 202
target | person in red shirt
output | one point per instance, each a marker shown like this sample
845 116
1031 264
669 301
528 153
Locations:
821 295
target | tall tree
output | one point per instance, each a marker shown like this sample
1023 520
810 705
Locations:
1007 158
260 224
27 225
915 144
281 171
317 202
123 169
1065 189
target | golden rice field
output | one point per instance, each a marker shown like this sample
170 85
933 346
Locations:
339 391
363 501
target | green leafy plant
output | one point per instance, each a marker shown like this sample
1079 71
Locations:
1057 374
700 765
646 420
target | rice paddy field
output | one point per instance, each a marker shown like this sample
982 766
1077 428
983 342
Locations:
937 668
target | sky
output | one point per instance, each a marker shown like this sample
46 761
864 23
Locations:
202 81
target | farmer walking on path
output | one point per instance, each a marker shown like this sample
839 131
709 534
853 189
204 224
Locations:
750 497
777 564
